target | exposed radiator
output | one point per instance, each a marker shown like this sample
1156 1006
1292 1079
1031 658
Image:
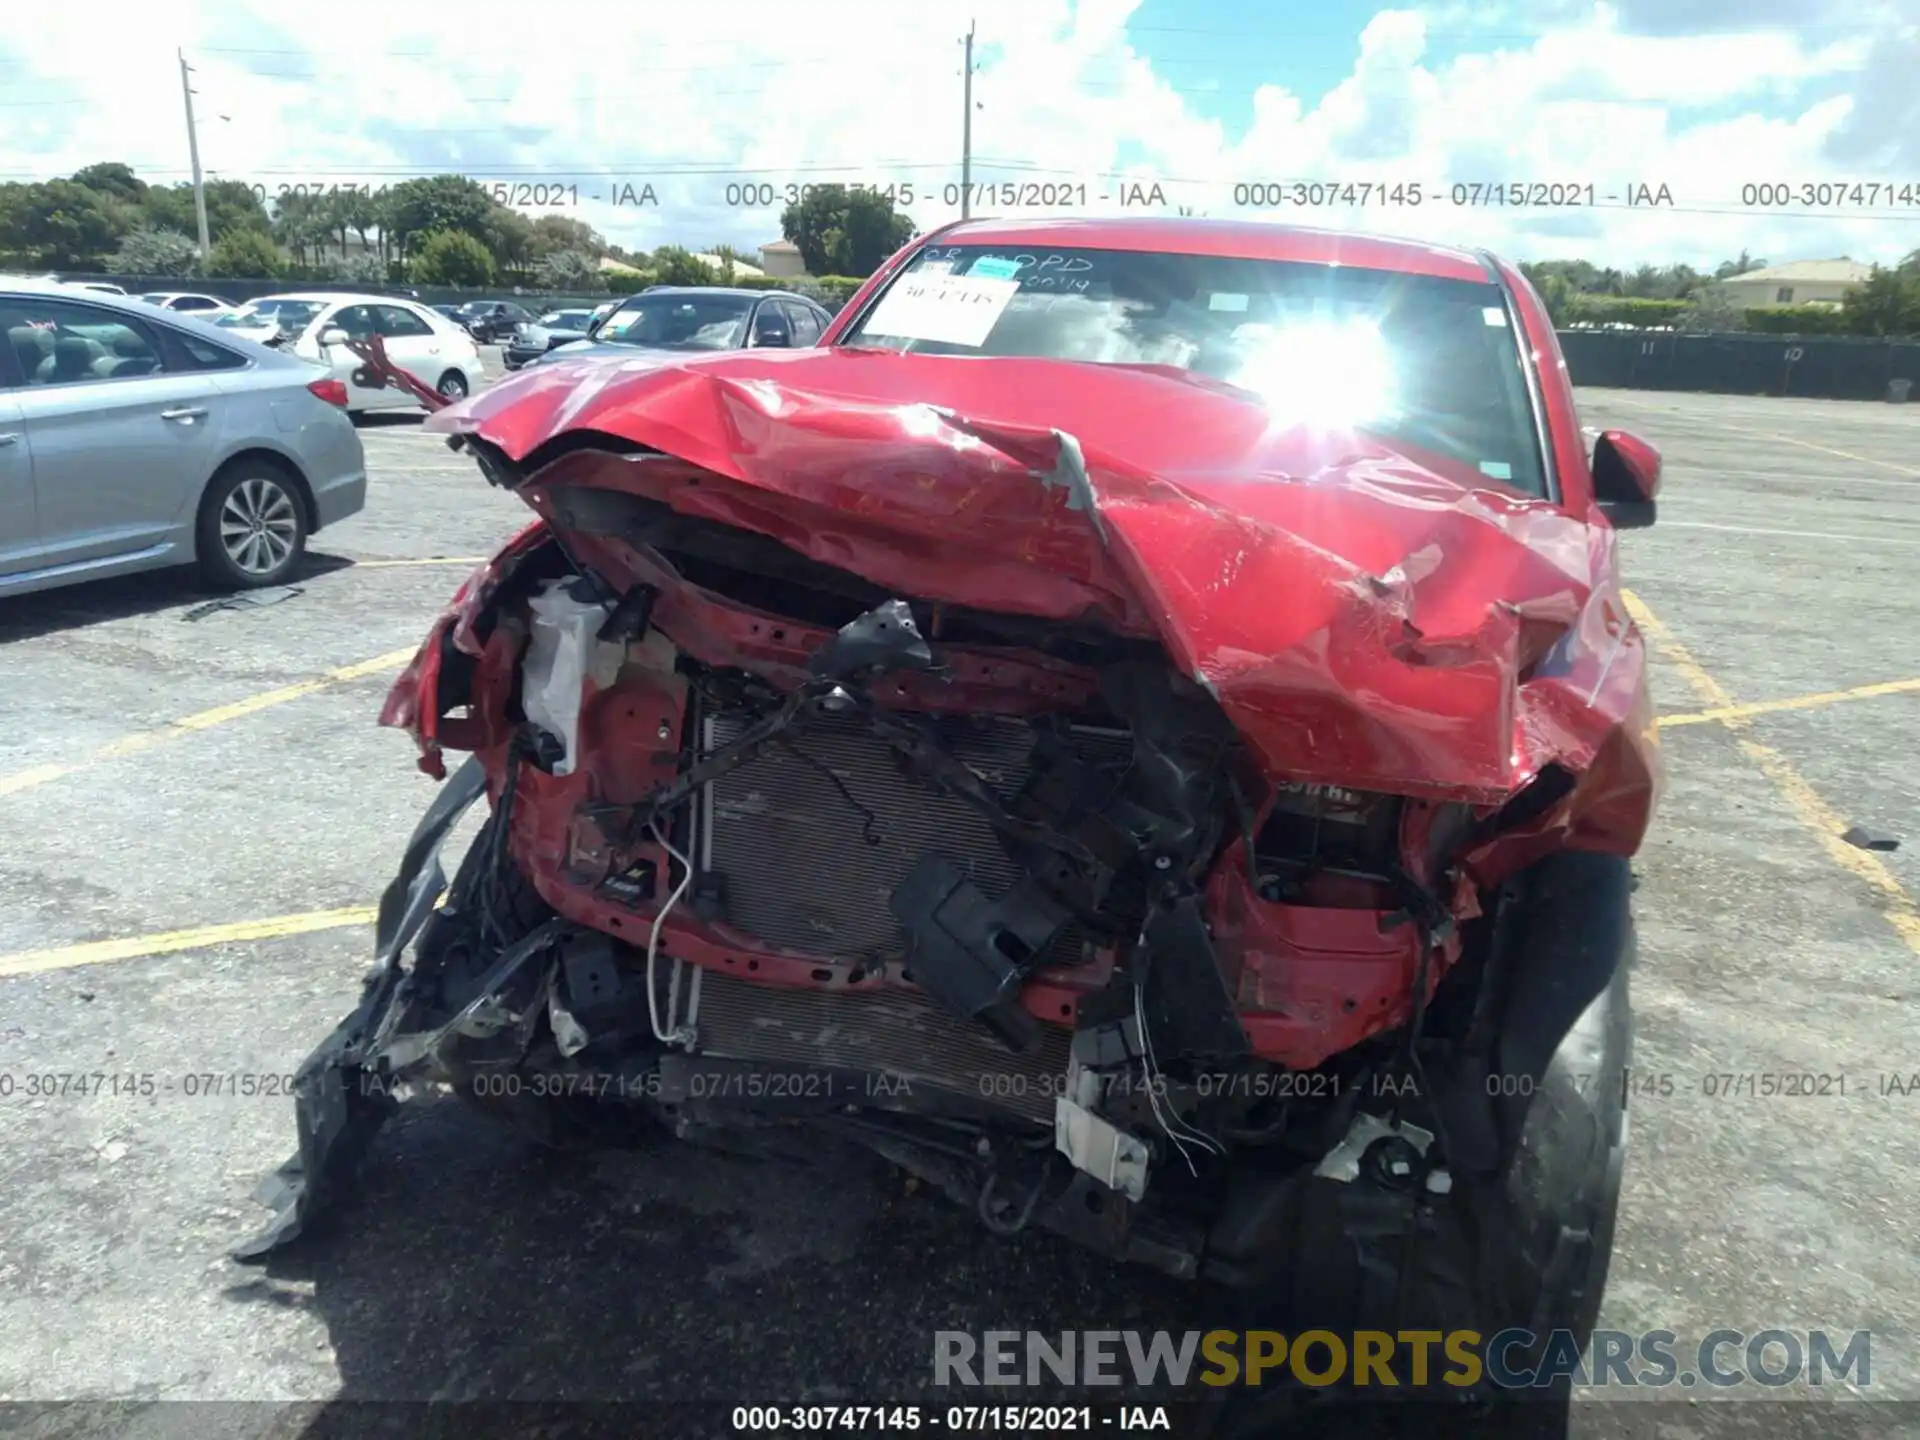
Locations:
795 855
895 1032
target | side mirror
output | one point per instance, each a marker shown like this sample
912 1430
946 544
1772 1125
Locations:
334 335
1626 478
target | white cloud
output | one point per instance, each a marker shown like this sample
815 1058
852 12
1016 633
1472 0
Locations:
693 101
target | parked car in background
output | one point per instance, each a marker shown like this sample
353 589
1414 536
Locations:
133 438
452 312
205 306
99 287
491 321
673 320
271 320
601 311
420 340
532 340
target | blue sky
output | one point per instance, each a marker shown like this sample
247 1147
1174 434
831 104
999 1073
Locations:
723 109
1217 51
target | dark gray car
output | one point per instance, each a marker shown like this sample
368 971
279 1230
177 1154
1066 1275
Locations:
671 321
134 439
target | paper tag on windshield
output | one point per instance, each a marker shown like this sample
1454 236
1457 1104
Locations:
946 309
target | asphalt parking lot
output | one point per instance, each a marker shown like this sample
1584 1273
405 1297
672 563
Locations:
194 902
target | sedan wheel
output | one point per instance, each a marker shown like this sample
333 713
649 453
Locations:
453 385
252 529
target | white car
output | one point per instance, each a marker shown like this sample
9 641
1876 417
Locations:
207 307
419 340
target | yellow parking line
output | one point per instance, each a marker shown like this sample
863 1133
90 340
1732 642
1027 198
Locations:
204 720
1843 454
100 952
1805 802
1765 435
1798 702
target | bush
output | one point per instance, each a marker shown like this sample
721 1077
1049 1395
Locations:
1797 320
567 270
676 266
157 252
364 268
1625 310
832 291
246 255
451 257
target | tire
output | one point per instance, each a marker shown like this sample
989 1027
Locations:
1528 1247
252 527
453 385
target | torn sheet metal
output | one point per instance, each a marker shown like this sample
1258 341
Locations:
340 1103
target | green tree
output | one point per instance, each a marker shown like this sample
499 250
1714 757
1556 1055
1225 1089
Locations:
157 252
676 265
416 208
554 233
845 232
1887 304
568 270
110 177
60 224
246 255
232 205
1711 311
1727 269
355 210
1557 295
451 257
510 238
301 224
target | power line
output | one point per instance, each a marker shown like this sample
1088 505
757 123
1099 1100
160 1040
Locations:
1436 201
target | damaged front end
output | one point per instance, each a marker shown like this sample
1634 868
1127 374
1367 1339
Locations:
1119 859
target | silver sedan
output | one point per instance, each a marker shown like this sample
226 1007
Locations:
133 439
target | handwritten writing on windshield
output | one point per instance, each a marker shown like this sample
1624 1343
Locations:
1035 270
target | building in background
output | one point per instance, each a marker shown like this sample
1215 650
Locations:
1801 282
741 269
781 258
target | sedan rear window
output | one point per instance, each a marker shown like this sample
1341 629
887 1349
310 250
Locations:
56 342
1428 361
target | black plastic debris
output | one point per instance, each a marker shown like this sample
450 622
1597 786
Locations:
245 600
970 953
1870 840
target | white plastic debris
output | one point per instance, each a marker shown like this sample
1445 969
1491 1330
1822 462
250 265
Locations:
563 655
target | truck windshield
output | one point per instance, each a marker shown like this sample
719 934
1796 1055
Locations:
1430 361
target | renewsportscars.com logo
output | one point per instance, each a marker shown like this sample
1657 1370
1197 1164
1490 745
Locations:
1509 1359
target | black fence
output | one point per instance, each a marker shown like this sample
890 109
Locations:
1816 367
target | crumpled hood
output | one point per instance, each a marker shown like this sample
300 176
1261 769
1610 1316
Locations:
581 346
1367 617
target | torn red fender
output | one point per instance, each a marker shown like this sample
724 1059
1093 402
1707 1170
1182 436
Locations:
1377 618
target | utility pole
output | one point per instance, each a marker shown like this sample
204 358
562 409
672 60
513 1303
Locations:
193 152
966 130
